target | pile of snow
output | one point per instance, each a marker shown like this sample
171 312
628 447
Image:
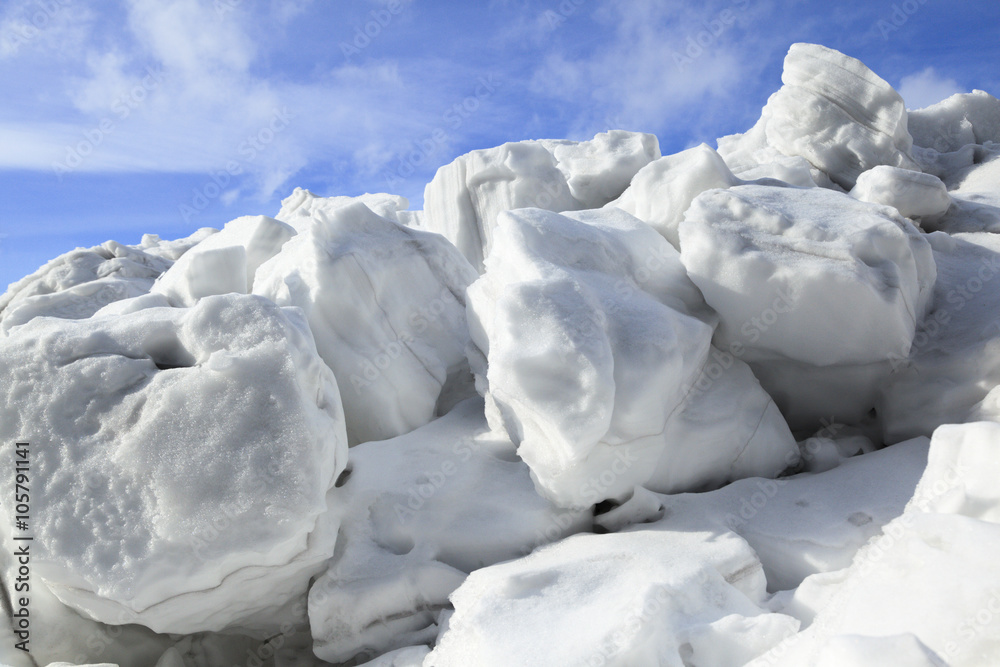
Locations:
551 419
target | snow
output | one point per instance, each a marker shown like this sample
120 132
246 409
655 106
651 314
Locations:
225 262
966 118
419 512
592 405
648 597
834 112
464 199
180 483
807 278
587 328
386 305
662 191
914 194
938 550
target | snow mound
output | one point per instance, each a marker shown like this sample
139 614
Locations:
944 540
586 344
652 597
223 263
954 360
914 194
960 120
662 191
386 305
300 208
77 284
179 483
463 200
807 279
419 512
834 112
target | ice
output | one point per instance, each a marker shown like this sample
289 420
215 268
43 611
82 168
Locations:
914 194
300 208
419 512
954 360
386 304
928 580
960 120
662 191
961 473
815 290
550 419
179 482
464 199
224 263
804 524
78 283
586 347
834 112
651 597
702 451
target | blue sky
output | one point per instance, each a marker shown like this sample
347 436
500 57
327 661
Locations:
162 116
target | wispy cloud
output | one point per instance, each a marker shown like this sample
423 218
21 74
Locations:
927 87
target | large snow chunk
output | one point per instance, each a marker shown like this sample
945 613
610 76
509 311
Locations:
386 305
833 111
180 459
78 283
808 278
225 262
584 347
465 197
300 208
419 512
643 598
966 118
912 193
662 191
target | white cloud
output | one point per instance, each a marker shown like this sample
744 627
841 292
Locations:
926 88
177 91
659 60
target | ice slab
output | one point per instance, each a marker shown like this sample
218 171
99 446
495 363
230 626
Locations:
225 262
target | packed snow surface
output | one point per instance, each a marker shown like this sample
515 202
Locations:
591 406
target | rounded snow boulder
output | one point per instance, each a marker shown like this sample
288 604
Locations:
914 194
179 460
816 290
